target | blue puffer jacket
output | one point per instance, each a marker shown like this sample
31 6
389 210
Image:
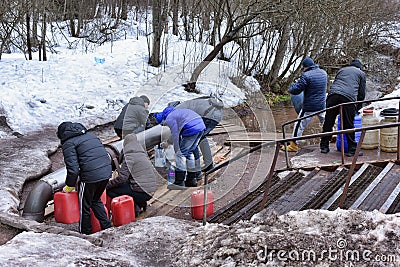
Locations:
313 83
84 155
182 122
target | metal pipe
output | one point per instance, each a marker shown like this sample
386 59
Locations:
44 190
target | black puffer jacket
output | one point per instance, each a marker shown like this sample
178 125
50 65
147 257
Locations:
350 82
84 154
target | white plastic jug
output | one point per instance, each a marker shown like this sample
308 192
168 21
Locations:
159 157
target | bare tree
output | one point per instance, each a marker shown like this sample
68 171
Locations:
238 17
160 11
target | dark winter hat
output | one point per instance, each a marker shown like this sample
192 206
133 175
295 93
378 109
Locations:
61 128
145 99
356 63
158 117
308 62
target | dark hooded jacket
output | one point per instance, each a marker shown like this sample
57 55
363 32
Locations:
133 116
206 107
135 168
84 154
350 82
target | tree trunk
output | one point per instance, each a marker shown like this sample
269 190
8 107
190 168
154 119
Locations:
28 34
280 54
124 10
154 59
186 25
228 37
175 17
191 85
113 8
43 41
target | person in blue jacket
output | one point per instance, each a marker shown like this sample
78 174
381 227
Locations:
210 110
312 83
88 164
187 127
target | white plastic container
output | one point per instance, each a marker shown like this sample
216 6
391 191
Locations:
159 157
388 137
371 138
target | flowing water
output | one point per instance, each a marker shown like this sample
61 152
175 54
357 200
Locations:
284 112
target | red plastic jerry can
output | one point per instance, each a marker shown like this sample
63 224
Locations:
66 207
197 206
122 210
103 197
95 222
108 204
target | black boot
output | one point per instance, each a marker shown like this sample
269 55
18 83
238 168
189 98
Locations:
191 180
351 151
179 183
209 167
324 146
199 176
142 205
137 210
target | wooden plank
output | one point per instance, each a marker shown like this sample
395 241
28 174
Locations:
253 137
165 200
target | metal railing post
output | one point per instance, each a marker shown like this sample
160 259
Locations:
351 171
398 134
341 135
269 179
285 145
205 199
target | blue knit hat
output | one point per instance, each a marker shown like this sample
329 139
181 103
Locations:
164 114
158 117
308 62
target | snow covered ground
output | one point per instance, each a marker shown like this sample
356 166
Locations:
73 86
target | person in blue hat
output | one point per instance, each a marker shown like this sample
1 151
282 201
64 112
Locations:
187 127
312 84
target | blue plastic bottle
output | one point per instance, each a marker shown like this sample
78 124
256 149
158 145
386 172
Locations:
357 124
171 175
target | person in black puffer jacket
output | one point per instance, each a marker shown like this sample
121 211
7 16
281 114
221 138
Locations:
88 163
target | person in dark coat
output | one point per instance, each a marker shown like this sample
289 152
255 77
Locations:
210 110
348 86
187 128
88 164
312 83
136 177
133 117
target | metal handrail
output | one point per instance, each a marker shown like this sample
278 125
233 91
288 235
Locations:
284 140
355 157
341 122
